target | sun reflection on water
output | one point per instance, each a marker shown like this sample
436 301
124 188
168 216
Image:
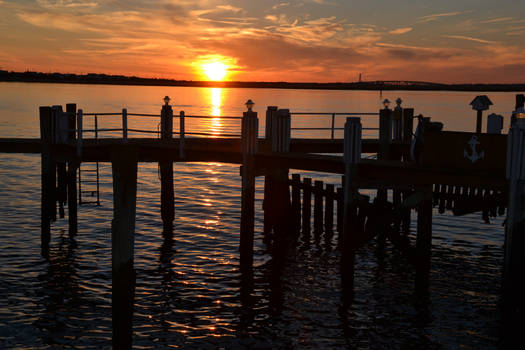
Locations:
216 102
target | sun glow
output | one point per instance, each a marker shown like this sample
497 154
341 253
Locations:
215 70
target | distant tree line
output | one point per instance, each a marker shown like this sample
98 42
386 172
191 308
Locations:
97 78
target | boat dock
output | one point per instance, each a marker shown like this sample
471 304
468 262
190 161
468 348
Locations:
413 165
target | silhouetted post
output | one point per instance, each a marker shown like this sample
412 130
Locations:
278 201
80 117
514 264
385 141
47 176
167 207
307 206
318 208
269 218
296 201
352 157
250 129
408 126
182 131
397 126
520 104
480 104
124 166
61 132
71 110
124 124
424 241
329 209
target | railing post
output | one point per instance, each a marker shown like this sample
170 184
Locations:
352 156
166 122
60 138
514 262
385 133
47 177
181 135
250 128
270 112
333 126
125 124
167 205
397 123
280 132
79 133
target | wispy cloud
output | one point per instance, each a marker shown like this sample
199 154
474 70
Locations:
497 20
400 30
469 38
436 16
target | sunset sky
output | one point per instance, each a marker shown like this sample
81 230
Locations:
305 41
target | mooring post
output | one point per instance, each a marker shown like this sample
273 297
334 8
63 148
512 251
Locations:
72 165
424 241
182 131
329 210
397 127
296 201
250 129
60 125
47 176
277 201
352 157
318 208
124 167
307 206
124 124
167 206
385 142
269 192
408 126
514 263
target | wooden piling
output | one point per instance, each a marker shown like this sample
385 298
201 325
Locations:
424 241
352 157
250 128
307 205
329 209
296 200
47 175
71 110
167 201
318 207
277 190
340 210
124 167
514 262
385 143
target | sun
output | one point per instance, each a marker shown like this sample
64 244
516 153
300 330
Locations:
215 70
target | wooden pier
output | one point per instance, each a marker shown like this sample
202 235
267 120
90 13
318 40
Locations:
451 171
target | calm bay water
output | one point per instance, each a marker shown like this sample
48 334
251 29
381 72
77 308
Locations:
188 292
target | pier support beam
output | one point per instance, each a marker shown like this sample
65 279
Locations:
514 264
72 165
48 173
167 200
277 207
352 157
124 166
424 242
250 127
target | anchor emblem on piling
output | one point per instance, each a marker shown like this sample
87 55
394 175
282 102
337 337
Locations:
474 156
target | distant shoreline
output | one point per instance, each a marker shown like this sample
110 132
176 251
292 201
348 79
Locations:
104 79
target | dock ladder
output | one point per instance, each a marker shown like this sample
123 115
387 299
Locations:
89 179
